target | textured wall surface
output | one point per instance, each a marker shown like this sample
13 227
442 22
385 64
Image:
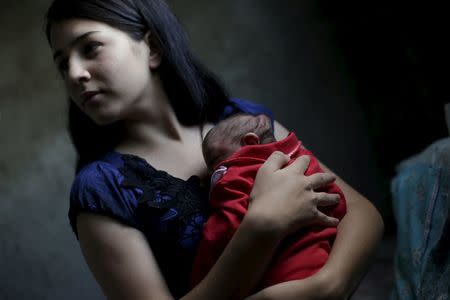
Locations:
278 53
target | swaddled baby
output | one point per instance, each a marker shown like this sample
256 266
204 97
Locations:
234 150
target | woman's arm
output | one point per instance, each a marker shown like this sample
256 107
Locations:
124 266
120 259
358 235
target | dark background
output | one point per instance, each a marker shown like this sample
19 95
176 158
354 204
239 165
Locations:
398 57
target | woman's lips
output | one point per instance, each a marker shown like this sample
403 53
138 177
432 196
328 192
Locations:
88 96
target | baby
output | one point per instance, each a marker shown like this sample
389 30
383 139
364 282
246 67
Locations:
234 150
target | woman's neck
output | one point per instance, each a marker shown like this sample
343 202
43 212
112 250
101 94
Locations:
154 128
152 121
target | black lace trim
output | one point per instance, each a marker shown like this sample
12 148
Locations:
185 200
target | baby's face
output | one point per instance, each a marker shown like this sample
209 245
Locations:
216 151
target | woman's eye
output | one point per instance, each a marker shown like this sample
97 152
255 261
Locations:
90 48
63 65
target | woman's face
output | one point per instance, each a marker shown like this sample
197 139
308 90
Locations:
106 72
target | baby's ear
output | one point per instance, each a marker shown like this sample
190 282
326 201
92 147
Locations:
250 138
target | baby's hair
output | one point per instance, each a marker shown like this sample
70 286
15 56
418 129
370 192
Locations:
235 127
230 131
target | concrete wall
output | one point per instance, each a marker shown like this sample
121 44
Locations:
278 53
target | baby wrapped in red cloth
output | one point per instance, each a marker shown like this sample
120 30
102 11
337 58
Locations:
234 150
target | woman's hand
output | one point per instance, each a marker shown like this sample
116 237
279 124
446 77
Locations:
283 199
358 234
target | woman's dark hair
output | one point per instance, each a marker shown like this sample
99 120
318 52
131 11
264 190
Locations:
195 94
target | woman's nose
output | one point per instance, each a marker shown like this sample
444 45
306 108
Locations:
78 71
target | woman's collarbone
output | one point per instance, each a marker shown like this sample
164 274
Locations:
177 164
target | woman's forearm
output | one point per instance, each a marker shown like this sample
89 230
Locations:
241 264
310 288
358 235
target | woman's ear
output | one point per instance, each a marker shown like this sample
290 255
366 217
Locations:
250 138
154 56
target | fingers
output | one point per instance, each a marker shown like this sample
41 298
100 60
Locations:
325 220
326 199
320 179
275 161
300 164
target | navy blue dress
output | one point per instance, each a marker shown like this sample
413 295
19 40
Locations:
169 211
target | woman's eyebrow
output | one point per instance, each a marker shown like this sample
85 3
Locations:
76 40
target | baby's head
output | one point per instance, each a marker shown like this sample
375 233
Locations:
234 132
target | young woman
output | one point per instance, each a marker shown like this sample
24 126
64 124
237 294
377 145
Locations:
139 104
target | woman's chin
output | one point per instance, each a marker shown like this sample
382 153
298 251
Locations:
103 120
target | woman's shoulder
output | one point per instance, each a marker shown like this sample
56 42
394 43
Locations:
238 105
97 188
95 175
